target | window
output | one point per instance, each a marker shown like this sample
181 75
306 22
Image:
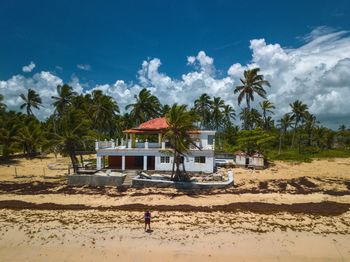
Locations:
199 159
165 159
211 139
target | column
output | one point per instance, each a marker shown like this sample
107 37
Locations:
144 162
123 163
96 144
159 138
163 145
113 143
98 163
146 144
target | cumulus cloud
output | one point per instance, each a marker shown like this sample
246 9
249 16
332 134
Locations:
316 73
28 68
84 67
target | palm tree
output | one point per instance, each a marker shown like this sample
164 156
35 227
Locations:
202 107
229 114
310 121
64 98
284 123
73 129
146 107
266 107
165 109
181 121
30 136
2 105
216 115
298 112
31 100
252 83
104 111
250 118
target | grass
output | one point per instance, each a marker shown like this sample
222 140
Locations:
307 155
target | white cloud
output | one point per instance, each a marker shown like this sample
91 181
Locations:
28 68
316 73
84 67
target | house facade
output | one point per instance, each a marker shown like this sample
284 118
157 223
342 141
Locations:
144 149
256 160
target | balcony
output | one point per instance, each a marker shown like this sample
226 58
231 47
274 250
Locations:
128 144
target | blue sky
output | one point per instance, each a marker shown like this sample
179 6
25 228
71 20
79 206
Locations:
178 50
114 37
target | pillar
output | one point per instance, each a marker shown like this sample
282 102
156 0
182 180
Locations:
113 143
96 144
123 163
98 163
163 145
146 144
159 138
144 162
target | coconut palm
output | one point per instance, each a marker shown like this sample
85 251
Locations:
298 112
64 98
146 107
250 118
310 122
30 136
253 83
284 123
32 99
202 107
180 121
73 129
165 109
216 115
266 107
2 105
103 112
229 114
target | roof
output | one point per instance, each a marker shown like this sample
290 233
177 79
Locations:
158 125
154 124
242 153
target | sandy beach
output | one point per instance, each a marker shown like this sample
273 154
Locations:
287 212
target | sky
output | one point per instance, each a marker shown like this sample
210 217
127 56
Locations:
179 50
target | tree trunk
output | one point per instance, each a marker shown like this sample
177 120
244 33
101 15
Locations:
280 144
295 130
173 170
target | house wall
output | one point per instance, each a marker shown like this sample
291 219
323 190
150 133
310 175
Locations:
240 160
190 164
257 161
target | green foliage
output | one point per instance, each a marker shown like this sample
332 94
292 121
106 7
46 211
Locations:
181 121
79 119
146 107
254 140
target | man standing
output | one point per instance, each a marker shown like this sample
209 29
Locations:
148 220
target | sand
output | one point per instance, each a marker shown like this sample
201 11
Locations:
289 212
33 235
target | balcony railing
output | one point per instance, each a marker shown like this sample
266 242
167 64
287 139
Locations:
123 144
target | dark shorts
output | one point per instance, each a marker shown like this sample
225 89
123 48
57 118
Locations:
147 220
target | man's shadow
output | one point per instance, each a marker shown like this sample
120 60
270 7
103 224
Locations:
149 231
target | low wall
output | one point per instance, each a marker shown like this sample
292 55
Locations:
95 180
141 182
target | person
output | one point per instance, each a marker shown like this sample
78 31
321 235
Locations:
148 220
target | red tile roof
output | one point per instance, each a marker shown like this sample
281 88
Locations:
154 124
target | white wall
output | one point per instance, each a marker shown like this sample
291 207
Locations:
190 165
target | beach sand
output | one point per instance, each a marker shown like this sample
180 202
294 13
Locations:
288 212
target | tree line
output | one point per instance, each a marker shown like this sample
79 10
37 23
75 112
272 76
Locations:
77 120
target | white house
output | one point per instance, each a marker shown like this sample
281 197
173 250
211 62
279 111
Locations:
255 160
144 149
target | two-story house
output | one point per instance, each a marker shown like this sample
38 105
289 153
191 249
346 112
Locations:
145 149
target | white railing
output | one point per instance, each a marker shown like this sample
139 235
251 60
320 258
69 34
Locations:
122 144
